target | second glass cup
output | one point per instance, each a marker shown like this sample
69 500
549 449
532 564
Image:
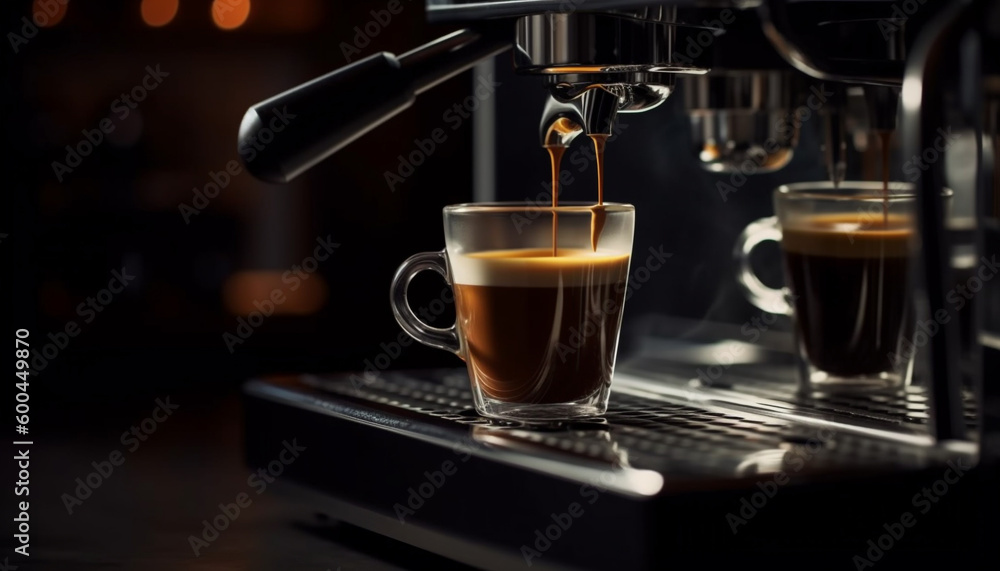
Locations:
539 293
848 254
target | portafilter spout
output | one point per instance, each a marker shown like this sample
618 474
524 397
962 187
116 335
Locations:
561 123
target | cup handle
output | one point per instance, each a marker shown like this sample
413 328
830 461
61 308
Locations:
767 298
446 339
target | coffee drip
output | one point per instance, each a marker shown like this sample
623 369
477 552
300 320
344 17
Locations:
598 215
555 154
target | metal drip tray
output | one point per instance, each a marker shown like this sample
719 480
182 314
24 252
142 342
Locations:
652 432
715 363
905 411
663 470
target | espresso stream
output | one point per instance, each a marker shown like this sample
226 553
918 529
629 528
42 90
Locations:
598 215
555 154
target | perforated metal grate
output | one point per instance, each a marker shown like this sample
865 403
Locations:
670 437
907 407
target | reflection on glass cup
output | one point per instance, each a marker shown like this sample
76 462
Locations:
539 294
847 253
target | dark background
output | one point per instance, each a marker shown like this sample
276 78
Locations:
162 336
120 208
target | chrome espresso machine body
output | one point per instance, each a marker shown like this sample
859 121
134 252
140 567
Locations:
700 459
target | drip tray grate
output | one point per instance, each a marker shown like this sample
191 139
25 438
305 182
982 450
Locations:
907 409
648 432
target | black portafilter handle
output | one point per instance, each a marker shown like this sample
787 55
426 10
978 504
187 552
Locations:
282 137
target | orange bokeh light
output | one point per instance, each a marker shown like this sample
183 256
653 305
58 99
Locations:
247 291
230 14
158 13
48 13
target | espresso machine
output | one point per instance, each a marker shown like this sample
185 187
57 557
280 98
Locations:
699 460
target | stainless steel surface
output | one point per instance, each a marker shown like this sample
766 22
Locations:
444 10
599 105
585 107
741 116
880 71
923 112
894 416
561 123
713 363
742 90
584 42
635 91
601 63
653 13
655 436
795 46
646 468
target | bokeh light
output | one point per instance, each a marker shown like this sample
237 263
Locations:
158 13
245 291
230 14
48 13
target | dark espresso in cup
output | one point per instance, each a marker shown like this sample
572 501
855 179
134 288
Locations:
540 329
850 281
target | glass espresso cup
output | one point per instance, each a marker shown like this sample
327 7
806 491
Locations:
847 254
539 293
